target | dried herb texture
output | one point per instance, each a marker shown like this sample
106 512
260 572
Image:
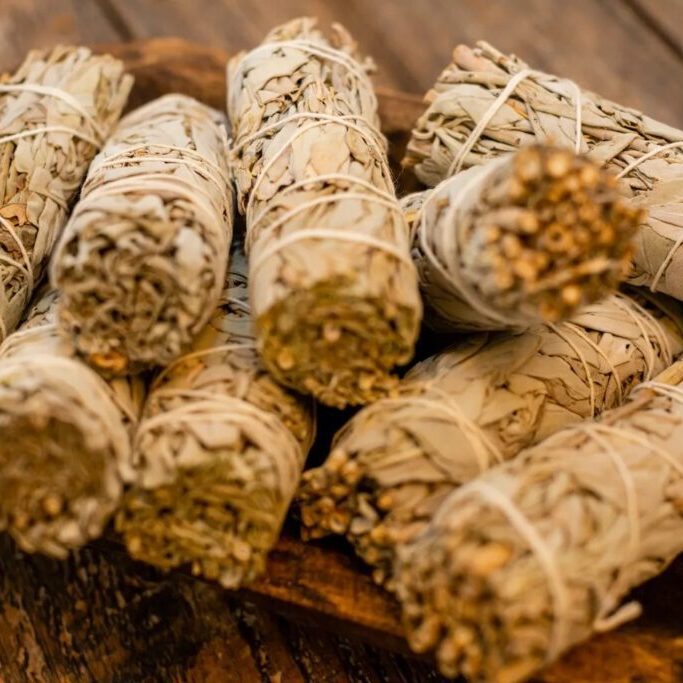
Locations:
537 554
218 454
55 112
141 264
333 290
65 450
486 103
526 238
470 407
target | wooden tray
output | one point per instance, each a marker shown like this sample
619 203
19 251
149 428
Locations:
323 584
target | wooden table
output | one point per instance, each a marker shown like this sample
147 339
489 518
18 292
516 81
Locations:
102 617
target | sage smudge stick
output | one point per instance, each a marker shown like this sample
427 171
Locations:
142 261
470 407
218 454
55 112
538 554
486 103
65 451
529 237
333 289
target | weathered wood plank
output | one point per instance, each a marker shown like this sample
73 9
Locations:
28 24
663 17
602 45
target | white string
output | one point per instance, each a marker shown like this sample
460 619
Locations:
654 152
196 160
656 328
324 178
484 450
317 123
258 258
582 360
400 252
307 115
50 129
546 558
323 51
649 358
60 94
3 330
497 105
451 270
43 361
199 354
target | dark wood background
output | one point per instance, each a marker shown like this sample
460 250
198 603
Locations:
100 617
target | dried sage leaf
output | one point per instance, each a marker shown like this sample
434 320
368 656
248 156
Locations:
55 112
529 237
486 103
142 261
218 454
538 554
472 406
65 450
333 290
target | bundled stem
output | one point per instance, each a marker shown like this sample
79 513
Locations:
333 290
537 554
65 450
142 261
55 112
530 237
473 406
486 103
218 454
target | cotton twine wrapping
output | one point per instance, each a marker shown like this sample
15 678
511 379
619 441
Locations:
218 454
333 290
142 261
55 113
486 103
537 555
528 237
65 450
475 405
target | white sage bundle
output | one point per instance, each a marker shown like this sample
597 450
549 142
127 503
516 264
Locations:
538 554
333 289
526 238
55 112
218 454
65 450
486 103
470 407
141 264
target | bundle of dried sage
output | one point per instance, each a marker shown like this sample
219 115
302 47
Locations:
218 454
528 237
55 113
65 450
142 261
486 103
475 405
537 554
333 289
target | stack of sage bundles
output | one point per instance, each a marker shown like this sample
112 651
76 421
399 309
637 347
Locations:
218 454
486 104
55 113
142 260
478 404
65 450
333 290
528 237
537 554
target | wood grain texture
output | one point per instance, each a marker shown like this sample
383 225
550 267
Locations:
602 44
664 18
29 24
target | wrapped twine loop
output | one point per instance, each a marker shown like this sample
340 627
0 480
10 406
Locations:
99 135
